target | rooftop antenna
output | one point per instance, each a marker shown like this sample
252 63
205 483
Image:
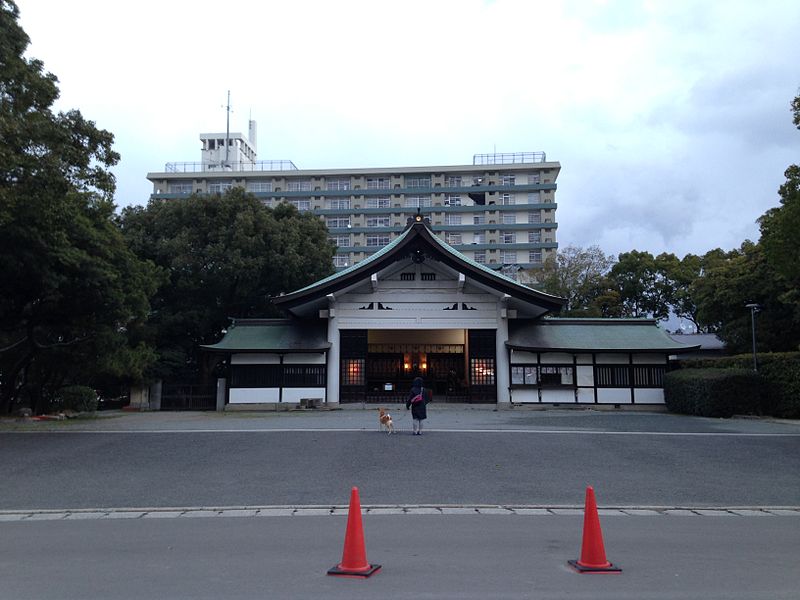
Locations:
228 131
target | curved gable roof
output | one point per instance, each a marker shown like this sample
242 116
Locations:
417 239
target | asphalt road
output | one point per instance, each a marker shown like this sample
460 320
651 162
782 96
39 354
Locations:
471 457
459 557
466 457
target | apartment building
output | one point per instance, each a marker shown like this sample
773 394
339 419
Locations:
498 211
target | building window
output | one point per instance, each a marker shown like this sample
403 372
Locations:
535 216
507 179
339 203
479 237
552 376
508 237
304 376
418 182
377 183
452 181
256 376
648 377
259 186
509 258
453 238
479 219
427 276
481 371
298 186
353 371
378 202
301 204
337 222
625 376
612 376
452 200
217 187
479 256
533 198
179 188
509 218
507 199
341 260
379 221
377 240
535 257
418 201
533 178
337 185
341 241
408 276
451 219
534 237
524 375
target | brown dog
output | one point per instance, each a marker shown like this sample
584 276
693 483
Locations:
385 420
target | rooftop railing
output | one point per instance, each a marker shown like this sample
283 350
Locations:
200 167
509 158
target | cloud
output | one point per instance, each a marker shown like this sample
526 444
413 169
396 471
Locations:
670 120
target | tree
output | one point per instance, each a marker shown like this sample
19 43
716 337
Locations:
222 256
780 230
70 287
742 277
639 279
578 275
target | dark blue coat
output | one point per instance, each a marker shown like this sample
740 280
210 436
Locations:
418 410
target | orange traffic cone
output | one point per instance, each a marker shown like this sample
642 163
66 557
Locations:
593 553
354 556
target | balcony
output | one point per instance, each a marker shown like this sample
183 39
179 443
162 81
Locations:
509 158
200 167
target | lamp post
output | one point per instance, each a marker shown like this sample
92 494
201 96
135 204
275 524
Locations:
754 308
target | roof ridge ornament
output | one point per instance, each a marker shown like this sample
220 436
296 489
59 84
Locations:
418 218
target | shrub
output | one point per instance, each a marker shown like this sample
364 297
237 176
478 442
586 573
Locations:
713 392
780 372
78 398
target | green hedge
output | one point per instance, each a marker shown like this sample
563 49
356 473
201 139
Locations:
78 398
780 372
713 392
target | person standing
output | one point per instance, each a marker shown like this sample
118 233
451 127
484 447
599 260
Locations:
418 398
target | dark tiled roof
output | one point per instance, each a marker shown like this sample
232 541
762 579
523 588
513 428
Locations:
707 341
598 335
273 335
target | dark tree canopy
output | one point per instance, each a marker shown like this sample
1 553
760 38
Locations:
68 280
780 233
742 277
222 256
780 236
579 275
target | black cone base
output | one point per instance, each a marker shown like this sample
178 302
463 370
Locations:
347 573
582 569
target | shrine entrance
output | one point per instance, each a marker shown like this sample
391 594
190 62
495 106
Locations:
379 366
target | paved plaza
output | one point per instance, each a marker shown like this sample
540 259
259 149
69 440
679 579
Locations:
487 503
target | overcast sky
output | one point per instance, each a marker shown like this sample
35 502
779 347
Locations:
670 119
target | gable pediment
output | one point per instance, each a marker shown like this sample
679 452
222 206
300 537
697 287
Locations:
422 269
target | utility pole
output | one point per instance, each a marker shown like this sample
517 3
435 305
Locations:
754 308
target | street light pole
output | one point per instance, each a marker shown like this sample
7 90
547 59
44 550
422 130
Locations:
754 308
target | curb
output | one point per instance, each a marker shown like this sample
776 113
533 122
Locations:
89 514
